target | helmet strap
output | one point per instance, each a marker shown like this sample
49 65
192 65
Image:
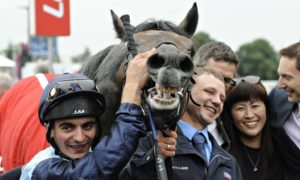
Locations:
98 133
49 128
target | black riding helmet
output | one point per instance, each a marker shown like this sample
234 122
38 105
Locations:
70 96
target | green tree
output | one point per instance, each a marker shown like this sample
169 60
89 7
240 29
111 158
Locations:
201 38
8 52
258 58
20 50
25 55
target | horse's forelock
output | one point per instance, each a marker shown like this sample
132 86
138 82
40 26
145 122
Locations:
160 25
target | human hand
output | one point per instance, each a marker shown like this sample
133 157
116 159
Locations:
167 145
136 77
137 72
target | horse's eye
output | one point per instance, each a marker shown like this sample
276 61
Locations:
192 51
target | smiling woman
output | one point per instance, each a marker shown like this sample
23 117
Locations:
246 121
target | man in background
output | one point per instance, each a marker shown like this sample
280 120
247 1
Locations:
219 56
285 111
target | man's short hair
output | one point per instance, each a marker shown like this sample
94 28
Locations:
201 70
292 51
217 50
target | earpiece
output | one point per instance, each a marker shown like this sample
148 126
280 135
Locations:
194 101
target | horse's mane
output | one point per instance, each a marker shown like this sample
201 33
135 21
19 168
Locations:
91 64
160 25
112 61
102 68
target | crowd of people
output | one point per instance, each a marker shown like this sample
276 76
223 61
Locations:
231 128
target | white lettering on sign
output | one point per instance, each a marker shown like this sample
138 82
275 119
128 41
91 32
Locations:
59 13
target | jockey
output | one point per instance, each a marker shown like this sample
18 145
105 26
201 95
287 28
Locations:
68 112
69 109
74 97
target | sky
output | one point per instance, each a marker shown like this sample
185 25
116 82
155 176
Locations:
234 22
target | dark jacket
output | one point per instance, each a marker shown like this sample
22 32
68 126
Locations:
13 174
281 110
108 157
186 165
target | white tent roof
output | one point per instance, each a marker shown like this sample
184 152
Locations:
5 62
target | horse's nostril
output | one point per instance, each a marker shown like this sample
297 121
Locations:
156 62
186 65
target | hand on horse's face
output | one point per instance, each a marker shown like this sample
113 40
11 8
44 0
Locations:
137 72
136 77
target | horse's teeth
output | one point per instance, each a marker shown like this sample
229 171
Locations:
161 94
164 101
168 95
168 89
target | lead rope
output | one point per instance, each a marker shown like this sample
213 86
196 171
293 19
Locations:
132 52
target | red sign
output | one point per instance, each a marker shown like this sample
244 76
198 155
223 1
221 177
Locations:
50 17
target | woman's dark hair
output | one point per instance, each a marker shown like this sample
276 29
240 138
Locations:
245 91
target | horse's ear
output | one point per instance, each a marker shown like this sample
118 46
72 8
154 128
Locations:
119 28
190 22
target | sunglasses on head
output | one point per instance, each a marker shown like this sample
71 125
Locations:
228 81
248 79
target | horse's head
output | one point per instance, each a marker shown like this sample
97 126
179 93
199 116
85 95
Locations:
170 68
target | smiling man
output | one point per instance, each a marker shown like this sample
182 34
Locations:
218 56
75 136
197 154
285 111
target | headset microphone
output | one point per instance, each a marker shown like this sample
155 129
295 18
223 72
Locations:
194 101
